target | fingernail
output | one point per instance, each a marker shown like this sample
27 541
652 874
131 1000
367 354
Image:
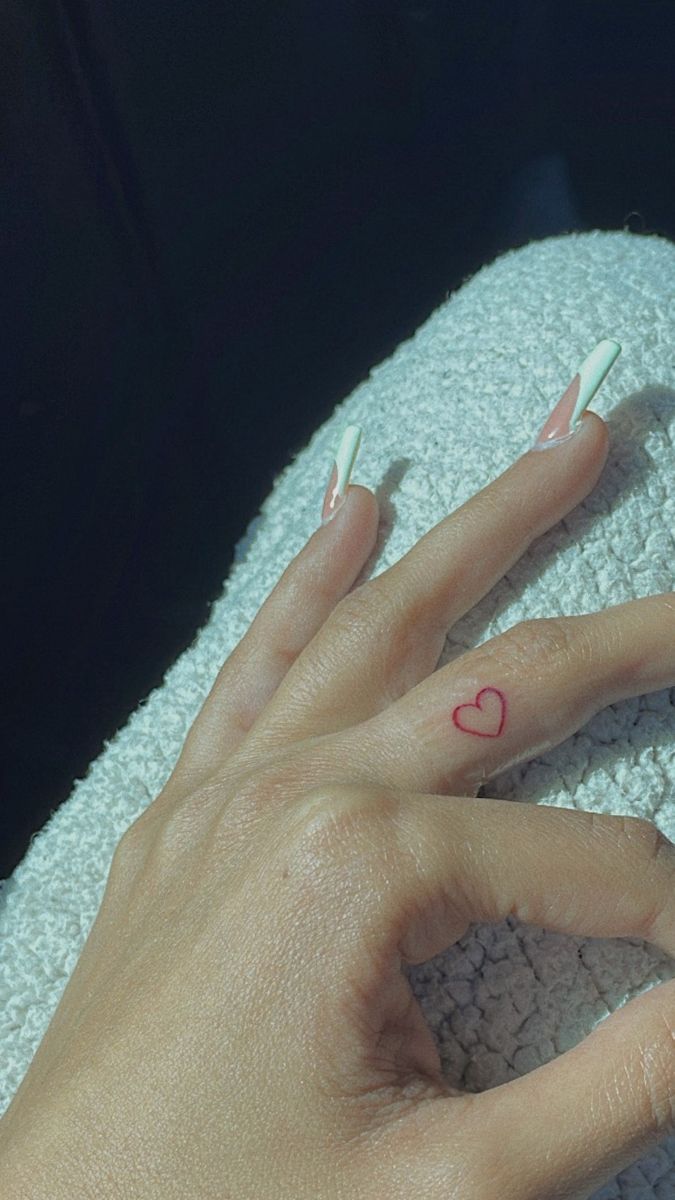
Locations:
341 473
564 420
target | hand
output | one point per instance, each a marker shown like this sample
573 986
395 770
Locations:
238 1024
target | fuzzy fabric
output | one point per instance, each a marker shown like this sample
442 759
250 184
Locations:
446 413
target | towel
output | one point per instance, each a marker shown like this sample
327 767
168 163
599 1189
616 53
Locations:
450 409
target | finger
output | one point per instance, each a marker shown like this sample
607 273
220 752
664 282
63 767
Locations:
389 633
452 862
299 604
516 696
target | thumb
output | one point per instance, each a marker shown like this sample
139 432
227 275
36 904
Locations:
565 1128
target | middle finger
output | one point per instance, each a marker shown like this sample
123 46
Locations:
384 637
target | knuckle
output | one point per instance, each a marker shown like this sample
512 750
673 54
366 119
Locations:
136 847
133 838
548 649
340 820
357 608
163 831
127 855
540 638
392 620
369 608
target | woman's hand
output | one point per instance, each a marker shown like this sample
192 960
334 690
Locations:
238 1024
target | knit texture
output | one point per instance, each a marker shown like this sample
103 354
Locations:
445 414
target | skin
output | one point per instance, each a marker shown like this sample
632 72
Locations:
238 1025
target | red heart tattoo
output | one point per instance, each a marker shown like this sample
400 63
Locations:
484 718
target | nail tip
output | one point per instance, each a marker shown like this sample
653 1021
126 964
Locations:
608 349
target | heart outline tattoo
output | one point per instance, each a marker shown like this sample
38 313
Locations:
489 693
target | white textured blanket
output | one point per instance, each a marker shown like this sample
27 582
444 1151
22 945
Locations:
450 410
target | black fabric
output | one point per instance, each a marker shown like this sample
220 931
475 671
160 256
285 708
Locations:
215 219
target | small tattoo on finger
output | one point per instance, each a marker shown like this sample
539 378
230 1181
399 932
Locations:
485 716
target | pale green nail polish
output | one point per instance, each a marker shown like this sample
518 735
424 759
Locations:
342 472
564 419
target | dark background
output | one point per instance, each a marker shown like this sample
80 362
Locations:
215 220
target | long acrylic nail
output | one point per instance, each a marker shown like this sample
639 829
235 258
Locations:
341 473
564 420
